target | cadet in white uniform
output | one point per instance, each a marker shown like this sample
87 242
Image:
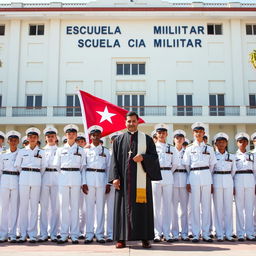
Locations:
31 163
244 188
199 159
9 189
109 203
2 137
70 161
49 199
163 190
223 173
95 185
180 194
81 141
253 138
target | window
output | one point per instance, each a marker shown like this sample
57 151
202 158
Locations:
34 101
73 106
0 101
184 103
2 30
217 104
251 29
36 30
130 68
252 100
214 29
132 102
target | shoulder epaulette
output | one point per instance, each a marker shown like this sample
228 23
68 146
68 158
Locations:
189 145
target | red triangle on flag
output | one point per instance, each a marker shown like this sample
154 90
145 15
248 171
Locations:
100 112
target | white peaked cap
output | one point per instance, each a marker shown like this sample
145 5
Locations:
70 127
33 130
241 135
220 135
13 133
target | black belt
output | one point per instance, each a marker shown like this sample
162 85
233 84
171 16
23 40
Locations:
51 170
199 168
180 170
165 168
244 172
30 169
219 172
95 170
70 169
11 173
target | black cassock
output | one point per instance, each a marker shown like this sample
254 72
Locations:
133 221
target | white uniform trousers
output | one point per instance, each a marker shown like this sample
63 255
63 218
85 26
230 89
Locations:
162 200
95 199
110 198
49 216
223 206
189 215
255 216
9 212
28 220
82 213
69 211
180 197
200 195
244 211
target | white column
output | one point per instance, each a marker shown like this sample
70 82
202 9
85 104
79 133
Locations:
13 62
53 63
237 62
170 133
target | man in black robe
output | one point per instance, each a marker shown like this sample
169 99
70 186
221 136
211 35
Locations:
133 221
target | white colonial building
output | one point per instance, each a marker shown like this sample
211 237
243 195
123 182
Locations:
176 63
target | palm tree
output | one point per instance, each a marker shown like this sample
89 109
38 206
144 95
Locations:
253 58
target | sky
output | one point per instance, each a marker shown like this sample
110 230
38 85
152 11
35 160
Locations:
82 1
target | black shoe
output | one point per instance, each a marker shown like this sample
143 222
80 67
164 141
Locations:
157 240
75 242
32 241
250 239
42 240
240 239
208 240
54 240
220 240
195 240
185 239
87 241
109 240
3 241
211 236
190 236
58 236
101 241
82 237
60 241
170 240
22 240
234 236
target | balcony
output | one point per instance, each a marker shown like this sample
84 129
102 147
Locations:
29 111
187 110
251 110
147 110
67 111
224 110
2 111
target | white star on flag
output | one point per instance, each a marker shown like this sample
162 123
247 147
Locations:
105 115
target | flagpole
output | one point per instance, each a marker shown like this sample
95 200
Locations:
84 117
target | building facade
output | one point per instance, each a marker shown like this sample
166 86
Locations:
175 63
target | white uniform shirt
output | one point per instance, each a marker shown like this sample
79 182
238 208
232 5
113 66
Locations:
97 158
199 156
7 160
167 157
225 162
28 158
245 161
70 157
180 178
50 178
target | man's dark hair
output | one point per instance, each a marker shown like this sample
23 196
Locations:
132 113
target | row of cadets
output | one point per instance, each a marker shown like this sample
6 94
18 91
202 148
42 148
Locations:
95 185
163 190
70 161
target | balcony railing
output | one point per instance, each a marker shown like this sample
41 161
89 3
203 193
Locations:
147 110
224 110
2 111
67 111
29 111
187 110
251 110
